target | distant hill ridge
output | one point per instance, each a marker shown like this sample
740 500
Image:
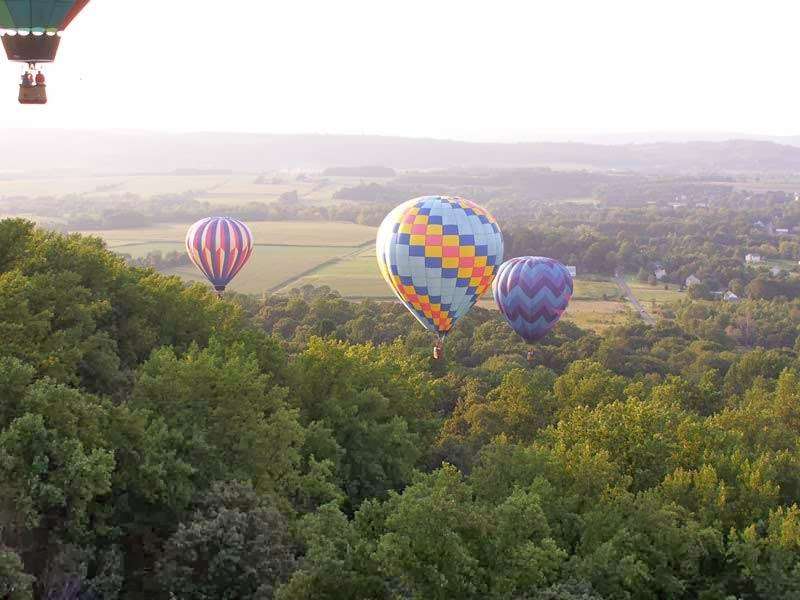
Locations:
127 152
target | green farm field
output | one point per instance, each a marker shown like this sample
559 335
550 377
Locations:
294 248
595 287
292 233
597 315
270 266
355 276
141 250
645 292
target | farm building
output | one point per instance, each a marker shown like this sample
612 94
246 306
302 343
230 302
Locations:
752 258
729 296
692 280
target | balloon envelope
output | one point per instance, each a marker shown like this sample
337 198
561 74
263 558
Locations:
219 247
31 19
439 255
532 292
39 16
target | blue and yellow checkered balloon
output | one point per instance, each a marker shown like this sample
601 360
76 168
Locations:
439 254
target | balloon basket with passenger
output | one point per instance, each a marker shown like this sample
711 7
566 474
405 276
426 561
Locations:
438 348
32 88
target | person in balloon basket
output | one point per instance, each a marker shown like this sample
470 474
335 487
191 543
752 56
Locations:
438 350
27 79
40 78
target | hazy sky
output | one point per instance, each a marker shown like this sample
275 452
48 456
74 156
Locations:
486 70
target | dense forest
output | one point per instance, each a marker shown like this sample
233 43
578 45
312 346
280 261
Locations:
156 442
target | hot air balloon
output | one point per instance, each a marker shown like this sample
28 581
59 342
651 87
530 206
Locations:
219 247
439 255
33 35
532 292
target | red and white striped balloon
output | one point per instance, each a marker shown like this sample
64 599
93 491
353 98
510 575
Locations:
219 247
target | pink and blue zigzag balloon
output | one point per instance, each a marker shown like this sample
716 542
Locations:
532 292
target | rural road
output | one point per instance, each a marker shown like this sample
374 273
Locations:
626 290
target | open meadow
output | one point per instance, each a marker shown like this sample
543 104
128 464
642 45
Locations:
597 315
270 266
354 276
283 251
595 287
272 233
645 292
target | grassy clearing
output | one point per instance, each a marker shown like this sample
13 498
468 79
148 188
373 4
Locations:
270 266
140 250
595 287
645 292
296 233
577 201
597 315
354 276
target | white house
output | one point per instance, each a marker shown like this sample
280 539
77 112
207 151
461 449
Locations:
660 273
780 230
692 280
730 296
752 258
775 271
573 271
